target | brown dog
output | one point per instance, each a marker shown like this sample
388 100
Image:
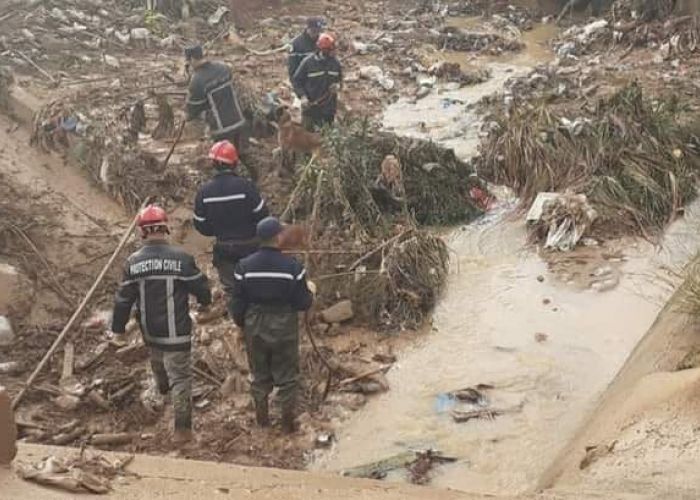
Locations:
292 137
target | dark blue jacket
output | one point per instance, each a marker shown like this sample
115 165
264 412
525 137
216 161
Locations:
272 279
159 278
212 95
302 47
314 78
229 207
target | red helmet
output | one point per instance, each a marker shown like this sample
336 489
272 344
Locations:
326 42
150 217
224 152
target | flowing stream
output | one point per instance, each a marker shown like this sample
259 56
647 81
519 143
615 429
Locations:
537 332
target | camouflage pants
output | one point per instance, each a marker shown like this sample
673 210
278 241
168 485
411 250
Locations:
173 373
314 119
272 344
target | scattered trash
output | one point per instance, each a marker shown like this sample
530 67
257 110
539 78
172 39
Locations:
565 217
419 470
417 463
375 74
461 416
324 440
77 474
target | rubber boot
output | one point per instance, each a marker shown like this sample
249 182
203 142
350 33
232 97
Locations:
262 414
289 424
182 436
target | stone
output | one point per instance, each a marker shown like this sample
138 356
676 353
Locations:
342 311
67 402
8 429
7 334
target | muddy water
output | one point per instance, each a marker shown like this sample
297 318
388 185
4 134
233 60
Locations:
547 347
448 116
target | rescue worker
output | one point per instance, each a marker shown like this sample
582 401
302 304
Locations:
271 289
159 278
304 45
228 207
317 81
212 97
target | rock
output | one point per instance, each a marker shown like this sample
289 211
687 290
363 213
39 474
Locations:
7 334
540 278
140 34
8 429
342 311
422 92
112 61
541 337
67 402
371 73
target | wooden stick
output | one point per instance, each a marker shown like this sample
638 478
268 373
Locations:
36 66
366 374
377 249
177 139
68 362
340 275
206 376
80 308
119 438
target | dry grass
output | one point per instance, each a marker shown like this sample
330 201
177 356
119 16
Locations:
630 155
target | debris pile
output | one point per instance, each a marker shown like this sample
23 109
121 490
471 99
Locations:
435 182
463 40
79 474
380 187
561 220
417 465
504 12
631 156
58 40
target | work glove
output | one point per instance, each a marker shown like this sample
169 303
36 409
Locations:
334 88
296 104
116 339
304 103
312 287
